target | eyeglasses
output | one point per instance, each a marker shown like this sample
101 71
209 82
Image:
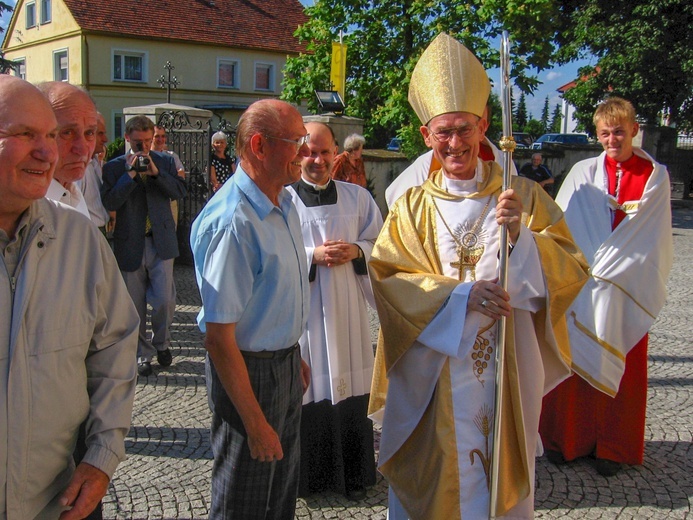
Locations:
463 132
298 142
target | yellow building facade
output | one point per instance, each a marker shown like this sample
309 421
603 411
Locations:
119 59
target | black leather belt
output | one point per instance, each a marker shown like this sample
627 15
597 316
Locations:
270 354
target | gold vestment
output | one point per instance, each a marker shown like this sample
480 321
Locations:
409 290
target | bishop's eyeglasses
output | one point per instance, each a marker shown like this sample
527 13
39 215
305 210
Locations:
444 135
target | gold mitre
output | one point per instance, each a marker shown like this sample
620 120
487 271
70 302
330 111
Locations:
448 78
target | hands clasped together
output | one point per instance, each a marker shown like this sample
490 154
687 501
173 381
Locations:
335 252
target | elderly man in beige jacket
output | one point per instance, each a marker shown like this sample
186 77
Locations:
68 330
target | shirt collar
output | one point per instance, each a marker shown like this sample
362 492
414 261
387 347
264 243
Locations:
261 203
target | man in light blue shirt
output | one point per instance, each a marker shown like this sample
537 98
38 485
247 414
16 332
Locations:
251 269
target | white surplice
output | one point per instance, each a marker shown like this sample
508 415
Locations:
337 342
629 267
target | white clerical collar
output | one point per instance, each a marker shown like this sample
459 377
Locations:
317 187
466 186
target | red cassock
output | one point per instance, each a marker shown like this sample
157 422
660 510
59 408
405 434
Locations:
578 420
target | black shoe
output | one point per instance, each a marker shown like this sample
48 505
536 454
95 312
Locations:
164 357
356 495
606 467
555 457
144 368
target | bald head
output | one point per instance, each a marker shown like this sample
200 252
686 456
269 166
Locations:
269 141
28 150
77 128
262 117
317 167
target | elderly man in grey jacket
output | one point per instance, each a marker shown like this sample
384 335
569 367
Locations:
68 330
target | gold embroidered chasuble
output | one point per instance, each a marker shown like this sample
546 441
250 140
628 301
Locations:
409 290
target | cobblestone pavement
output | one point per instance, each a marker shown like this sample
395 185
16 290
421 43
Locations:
167 474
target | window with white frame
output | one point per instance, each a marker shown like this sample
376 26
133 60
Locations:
60 66
30 14
129 66
20 67
264 76
228 73
46 13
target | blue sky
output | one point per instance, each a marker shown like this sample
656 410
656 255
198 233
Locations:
551 79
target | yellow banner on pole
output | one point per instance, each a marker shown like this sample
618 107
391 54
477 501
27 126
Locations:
338 71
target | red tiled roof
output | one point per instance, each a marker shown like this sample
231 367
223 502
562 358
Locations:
257 24
564 88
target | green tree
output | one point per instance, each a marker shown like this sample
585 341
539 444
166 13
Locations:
644 53
556 119
495 127
521 117
385 40
534 128
545 116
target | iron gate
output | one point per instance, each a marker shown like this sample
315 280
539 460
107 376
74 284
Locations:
192 143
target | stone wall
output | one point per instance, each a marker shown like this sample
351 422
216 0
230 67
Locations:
382 167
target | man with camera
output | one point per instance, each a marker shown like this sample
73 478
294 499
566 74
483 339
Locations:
138 186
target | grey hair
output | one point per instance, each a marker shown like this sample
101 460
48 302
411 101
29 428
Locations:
220 136
354 142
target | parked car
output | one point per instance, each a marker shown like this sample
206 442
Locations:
395 144
559 139
522 139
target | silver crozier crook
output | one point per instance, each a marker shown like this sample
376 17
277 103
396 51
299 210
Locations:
507 145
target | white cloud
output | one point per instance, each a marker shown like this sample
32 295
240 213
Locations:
553 75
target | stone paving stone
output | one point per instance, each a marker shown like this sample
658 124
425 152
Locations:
167 474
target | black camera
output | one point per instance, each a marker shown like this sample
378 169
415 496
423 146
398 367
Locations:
141 165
